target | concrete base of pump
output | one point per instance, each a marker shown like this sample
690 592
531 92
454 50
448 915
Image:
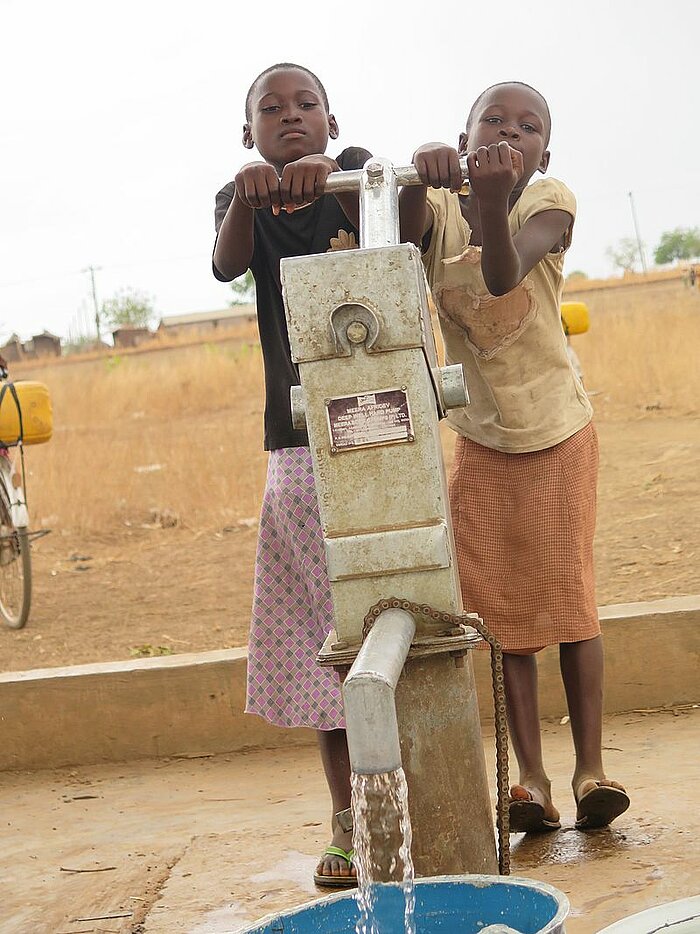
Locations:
442 755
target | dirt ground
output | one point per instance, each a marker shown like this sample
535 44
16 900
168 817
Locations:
204 846
152 590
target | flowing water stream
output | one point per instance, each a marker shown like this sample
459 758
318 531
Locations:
382 842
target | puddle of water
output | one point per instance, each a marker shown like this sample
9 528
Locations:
382 841
572 846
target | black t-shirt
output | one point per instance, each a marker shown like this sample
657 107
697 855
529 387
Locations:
320 227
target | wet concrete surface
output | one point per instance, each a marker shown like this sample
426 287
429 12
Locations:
204 846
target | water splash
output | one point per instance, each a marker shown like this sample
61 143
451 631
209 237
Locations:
382 843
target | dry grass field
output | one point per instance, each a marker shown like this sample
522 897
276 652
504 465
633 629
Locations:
177 430
153 479
644 357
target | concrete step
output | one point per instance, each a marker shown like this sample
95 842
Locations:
192 704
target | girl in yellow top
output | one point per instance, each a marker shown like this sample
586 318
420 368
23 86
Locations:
523 485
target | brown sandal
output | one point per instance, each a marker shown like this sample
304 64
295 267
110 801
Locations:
528 815
600 806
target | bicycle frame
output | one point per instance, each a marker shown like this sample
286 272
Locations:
15 541
12 478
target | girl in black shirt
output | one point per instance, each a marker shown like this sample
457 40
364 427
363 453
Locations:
273 209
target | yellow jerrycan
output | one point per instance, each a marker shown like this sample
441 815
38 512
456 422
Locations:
574 317
25 413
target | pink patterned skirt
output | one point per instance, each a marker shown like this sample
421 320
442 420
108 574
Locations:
292 607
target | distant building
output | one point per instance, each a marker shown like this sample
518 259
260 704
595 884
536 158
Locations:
12 350
41 345
132 337
203 322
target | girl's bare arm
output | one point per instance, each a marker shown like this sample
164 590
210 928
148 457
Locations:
506 258
234 245
256 186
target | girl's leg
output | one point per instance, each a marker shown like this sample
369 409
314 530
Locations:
582 673
336 765
520 671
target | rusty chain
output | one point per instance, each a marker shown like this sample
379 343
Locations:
499 700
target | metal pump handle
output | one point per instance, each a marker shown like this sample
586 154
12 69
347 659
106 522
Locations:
378 184
405 175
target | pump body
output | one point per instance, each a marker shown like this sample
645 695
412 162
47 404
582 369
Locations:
371 397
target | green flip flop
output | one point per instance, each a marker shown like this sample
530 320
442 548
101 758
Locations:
337 882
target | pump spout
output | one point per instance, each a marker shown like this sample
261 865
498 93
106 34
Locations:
368 694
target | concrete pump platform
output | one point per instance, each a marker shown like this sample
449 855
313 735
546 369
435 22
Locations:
204 845
138 799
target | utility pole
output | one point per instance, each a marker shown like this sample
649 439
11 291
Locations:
640 246
92 270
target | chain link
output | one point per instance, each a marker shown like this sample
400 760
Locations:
499 700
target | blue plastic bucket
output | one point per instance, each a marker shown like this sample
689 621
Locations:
446 904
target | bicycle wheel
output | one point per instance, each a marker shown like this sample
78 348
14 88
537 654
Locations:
15 568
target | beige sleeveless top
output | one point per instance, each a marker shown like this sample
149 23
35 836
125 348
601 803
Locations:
524 393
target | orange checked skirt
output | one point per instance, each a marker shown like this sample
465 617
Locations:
524 526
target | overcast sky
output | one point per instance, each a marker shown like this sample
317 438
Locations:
120 121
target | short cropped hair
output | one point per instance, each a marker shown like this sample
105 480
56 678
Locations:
283 66
521 84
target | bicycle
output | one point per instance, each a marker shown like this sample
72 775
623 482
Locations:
15 537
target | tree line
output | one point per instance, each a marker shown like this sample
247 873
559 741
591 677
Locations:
678 245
